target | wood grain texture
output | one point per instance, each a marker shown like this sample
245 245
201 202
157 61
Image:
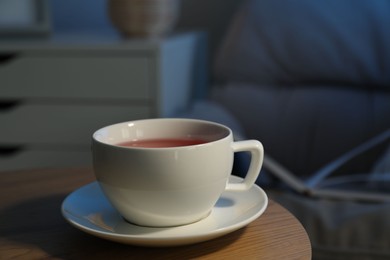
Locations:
31 227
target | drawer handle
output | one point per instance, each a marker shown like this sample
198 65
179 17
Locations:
7 57
8 151
6 105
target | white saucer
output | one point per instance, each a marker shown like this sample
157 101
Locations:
88 209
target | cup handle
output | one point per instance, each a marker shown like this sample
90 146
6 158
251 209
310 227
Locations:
257 154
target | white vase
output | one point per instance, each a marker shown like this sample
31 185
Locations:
143 18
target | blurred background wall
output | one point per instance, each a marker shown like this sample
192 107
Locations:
212 16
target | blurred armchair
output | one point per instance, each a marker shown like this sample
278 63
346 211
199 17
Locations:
311 79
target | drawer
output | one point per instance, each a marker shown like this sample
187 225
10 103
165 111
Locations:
32 158
88 76
67 124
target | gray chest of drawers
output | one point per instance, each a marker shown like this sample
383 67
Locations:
54 94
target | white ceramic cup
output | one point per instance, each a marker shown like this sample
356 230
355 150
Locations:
169 186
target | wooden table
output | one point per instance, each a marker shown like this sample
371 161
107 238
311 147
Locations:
31 227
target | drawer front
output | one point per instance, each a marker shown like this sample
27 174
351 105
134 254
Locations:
31 158
90 76
62 124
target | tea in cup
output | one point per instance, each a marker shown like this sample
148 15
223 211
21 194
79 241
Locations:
169 172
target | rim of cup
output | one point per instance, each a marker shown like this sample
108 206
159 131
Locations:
225 132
